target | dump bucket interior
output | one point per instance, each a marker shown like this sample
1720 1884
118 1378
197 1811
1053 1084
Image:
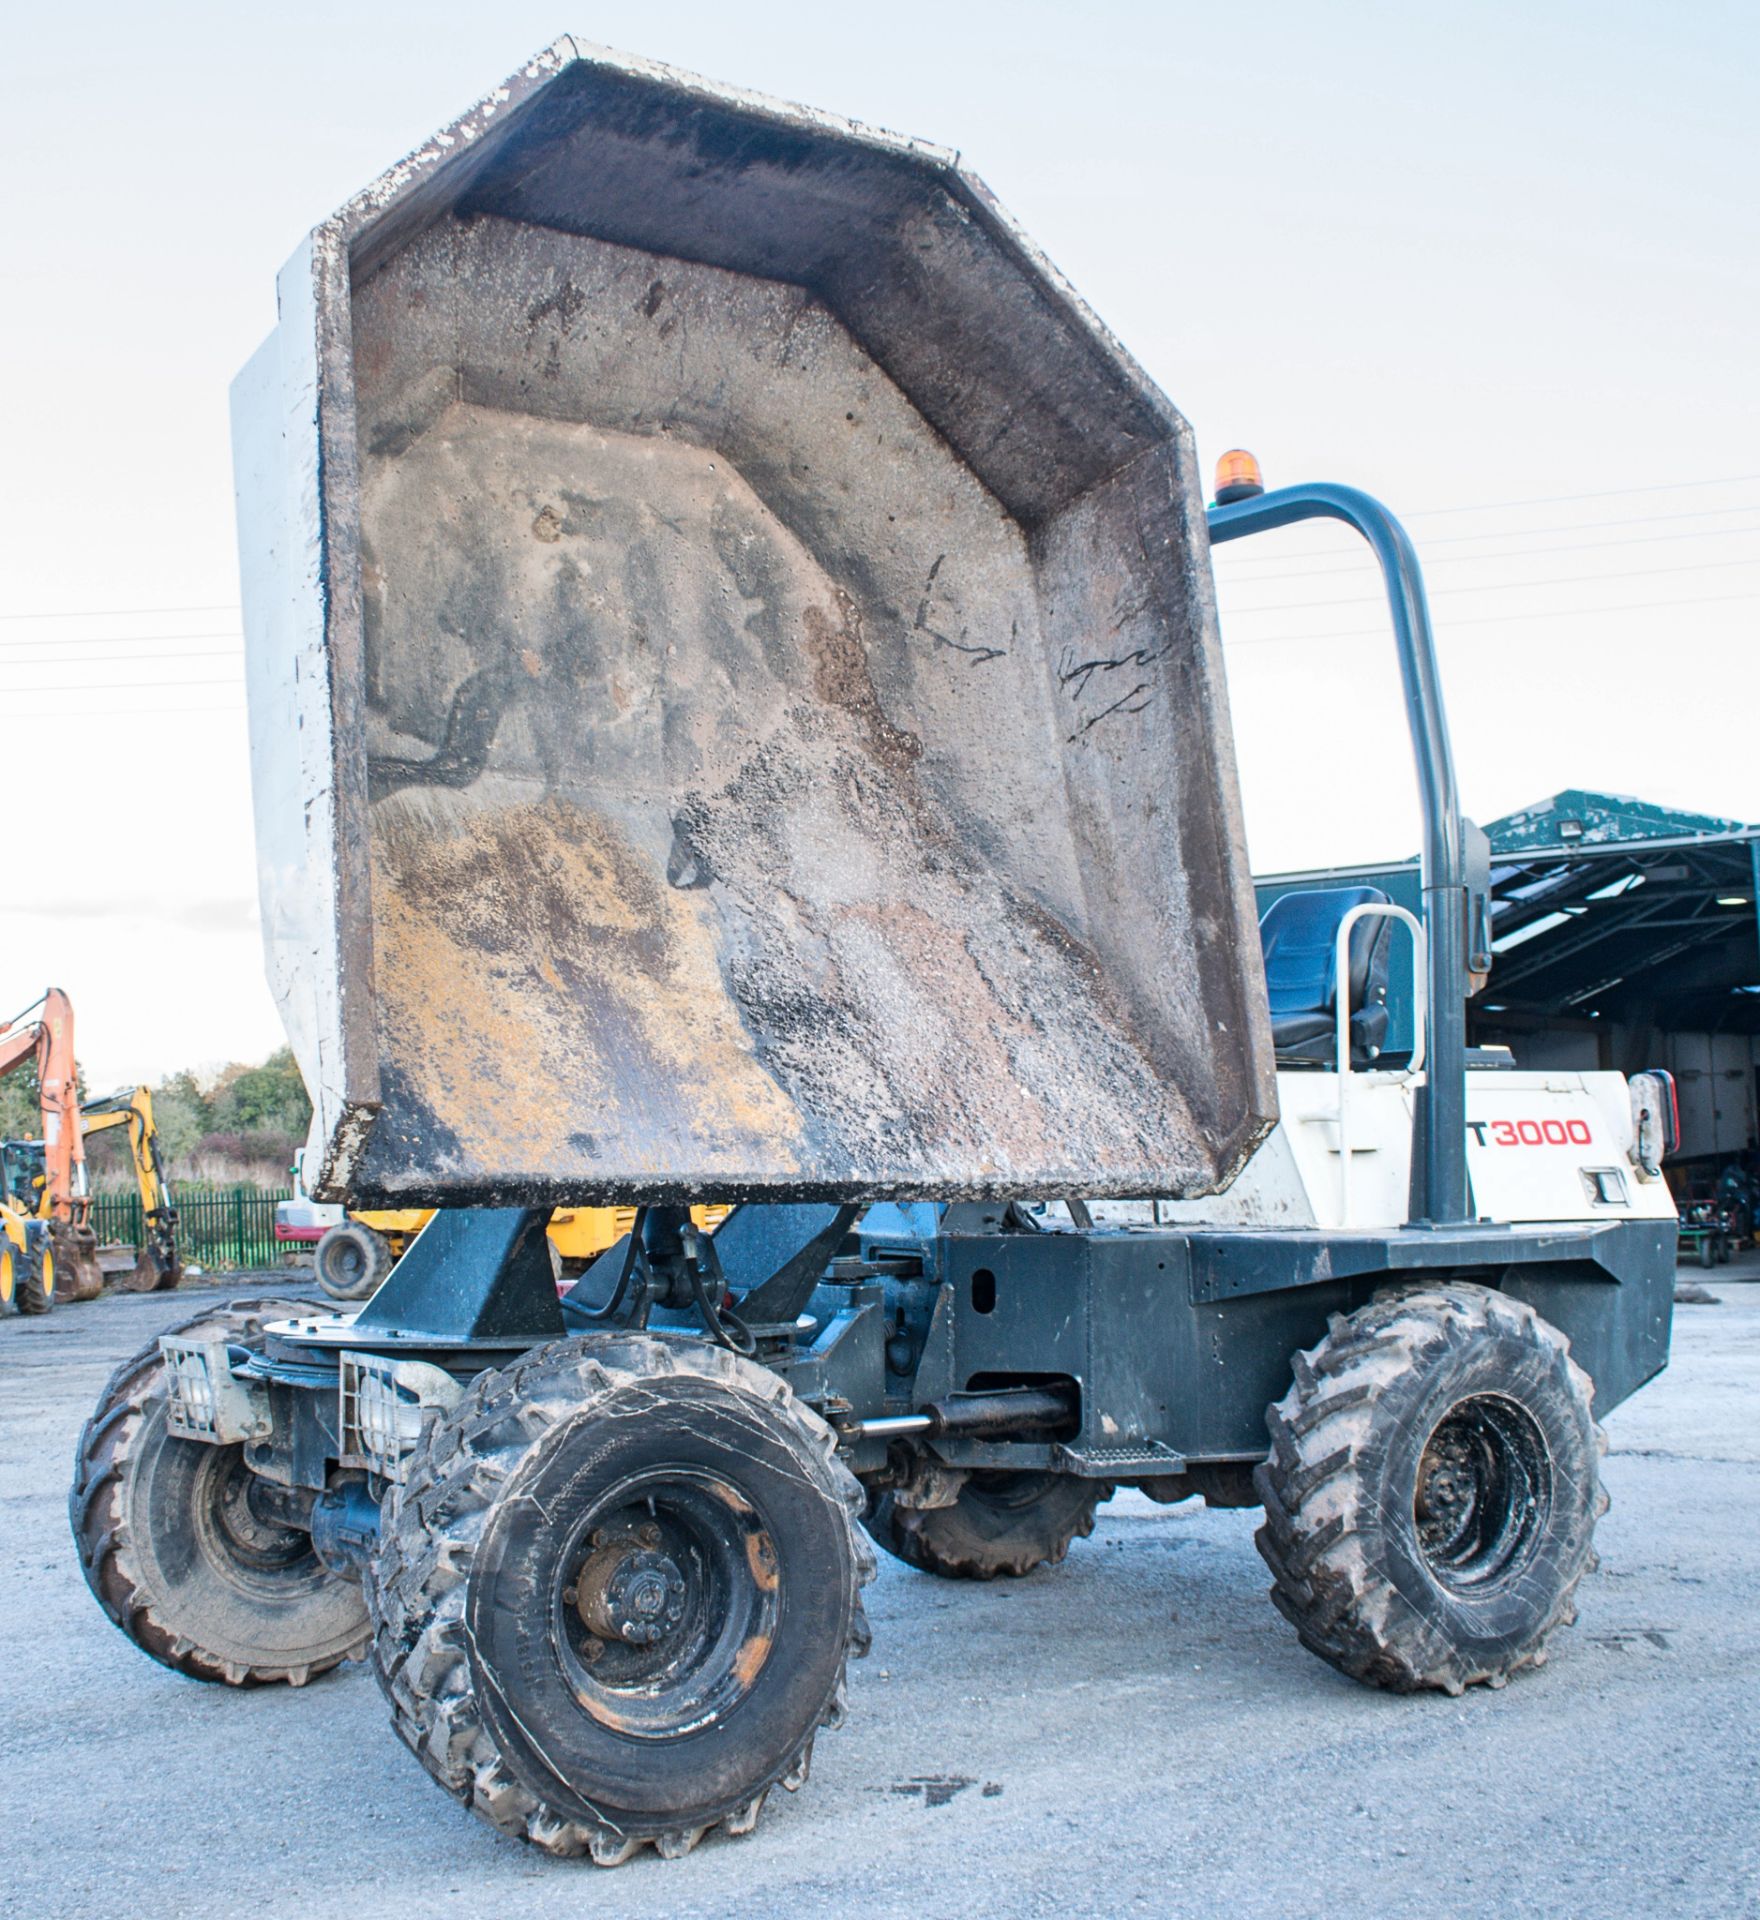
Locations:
780 734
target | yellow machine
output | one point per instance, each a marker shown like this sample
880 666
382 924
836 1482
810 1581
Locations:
27 1262
355 1255
27 1191
581 1234
159 1267
45 1178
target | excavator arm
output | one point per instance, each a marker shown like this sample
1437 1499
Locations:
160 1266
47 1038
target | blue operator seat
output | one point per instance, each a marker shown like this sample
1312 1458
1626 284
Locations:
1299 933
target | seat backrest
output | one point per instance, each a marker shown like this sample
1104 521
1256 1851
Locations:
1299 932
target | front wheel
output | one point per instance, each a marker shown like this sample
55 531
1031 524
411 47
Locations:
615 1594
1432 1490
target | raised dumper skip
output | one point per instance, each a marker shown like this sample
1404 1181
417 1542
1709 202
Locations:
737 716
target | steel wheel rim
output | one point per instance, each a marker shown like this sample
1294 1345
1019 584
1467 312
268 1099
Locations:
1483 1495
667 1527
257 1557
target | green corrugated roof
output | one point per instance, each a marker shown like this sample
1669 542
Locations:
1576 818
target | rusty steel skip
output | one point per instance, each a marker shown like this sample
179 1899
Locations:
736 699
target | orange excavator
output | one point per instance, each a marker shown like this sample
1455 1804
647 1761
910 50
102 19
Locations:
43 1032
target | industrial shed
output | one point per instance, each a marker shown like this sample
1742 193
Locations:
1625 935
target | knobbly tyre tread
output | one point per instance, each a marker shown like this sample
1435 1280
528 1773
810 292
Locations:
1343 1608
376 1262
30 1296
417 1587
939 1540
97 1512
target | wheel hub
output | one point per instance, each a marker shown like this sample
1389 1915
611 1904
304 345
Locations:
1483 1485
630 1590
247 1524
1448 1488
666 1603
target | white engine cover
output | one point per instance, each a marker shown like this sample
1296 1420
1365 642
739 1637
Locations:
1540 1147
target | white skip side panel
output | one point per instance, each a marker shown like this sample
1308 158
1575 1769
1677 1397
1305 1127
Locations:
276 473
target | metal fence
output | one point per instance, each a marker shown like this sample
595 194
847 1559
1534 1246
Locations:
217 1227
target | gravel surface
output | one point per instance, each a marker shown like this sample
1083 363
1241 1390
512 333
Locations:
1134 1732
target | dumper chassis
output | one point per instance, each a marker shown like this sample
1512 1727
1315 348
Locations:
586 1550
606 1550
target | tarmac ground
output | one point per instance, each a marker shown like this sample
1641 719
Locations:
1135 1731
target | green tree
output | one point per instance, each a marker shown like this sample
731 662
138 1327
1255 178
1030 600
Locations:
21 1104
266 1099
182 1116
21 1115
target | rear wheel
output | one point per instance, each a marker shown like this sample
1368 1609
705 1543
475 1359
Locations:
352 1260
183 1551
1002 1523
616 1592
8 1279
1432 1490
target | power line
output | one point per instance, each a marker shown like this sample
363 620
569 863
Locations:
117 659
119 639
1348 563
134 711
116 613
1417 513
119 686
1486 619
1583 526
1606 493
1506 586
1431 542
1256 561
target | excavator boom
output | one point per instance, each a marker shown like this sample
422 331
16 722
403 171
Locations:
160 1266
66 1200
48 1039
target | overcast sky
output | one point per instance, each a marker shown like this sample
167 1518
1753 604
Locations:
1496 263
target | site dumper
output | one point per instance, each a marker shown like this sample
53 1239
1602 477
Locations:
737 715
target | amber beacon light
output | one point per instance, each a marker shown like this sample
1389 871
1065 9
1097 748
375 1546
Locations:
1237 477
